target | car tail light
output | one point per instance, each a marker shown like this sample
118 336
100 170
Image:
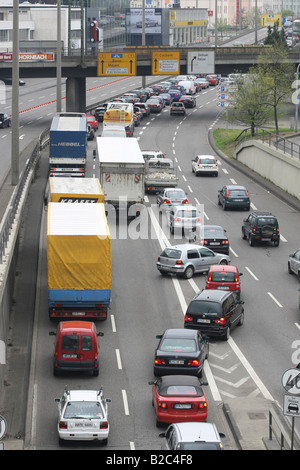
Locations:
187 318
166 201
227 195
159 362
209 278
63 425
254 229
177 219
277 230
193 362
220 321
158 259
202 405
199 219
225 242
104 425
185 201
236 278
179 262
163 405
247 193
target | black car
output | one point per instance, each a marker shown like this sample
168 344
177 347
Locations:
188 101
158 89
177 108
144 108
90 133
154 104
214 237
5 120
261 227
214 312
99 112
234 197
131 98
180 351
141 94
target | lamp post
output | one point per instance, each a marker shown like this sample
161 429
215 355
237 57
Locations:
58 59
15 98
297 99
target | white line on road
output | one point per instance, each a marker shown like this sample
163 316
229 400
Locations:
119 362
252 274
125 402
275 300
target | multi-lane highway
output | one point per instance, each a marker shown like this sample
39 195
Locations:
144 303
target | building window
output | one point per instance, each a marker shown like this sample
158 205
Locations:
3 35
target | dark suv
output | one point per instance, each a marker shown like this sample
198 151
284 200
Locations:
261 227
214 312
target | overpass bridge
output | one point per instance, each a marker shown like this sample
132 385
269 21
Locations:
77 68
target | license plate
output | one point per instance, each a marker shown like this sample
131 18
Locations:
223 287
78 314
69 356
265 239
238 200
203 320
182 406
177 362
83 425
214 243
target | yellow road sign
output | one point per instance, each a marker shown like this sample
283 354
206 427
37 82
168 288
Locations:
165 62
116 63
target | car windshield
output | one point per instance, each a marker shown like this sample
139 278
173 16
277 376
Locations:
178 345
237 193
206 160
70 342
175 194
201 307
213 232
198 446
187 390
222 277
186 213
266 221
171 253
83 409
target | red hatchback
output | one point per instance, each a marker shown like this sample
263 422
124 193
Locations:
224 277
178 398
93 122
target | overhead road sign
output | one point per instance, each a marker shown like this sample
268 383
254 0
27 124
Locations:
116 63
165 62
201 62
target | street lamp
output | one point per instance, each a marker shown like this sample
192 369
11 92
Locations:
297 99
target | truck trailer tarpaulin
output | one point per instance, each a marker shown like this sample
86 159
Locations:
74 190
78 251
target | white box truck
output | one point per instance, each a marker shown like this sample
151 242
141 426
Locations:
122 171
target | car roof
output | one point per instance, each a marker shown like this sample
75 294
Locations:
211 295
185 246
234 186
223 267
193 431
76 325
83 395
206 156
188 380
188 207
180 333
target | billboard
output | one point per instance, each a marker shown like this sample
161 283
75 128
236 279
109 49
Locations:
134 20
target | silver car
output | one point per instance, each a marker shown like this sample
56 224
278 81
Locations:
171 196
183 218
294 263
187 259
185 436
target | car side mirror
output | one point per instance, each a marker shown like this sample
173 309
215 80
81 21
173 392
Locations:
162 434
151 382
245 220
240 274
107 400
52 333
204 383
57 400
100 333
158 336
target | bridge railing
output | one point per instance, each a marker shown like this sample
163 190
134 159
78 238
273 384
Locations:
9 218
284 144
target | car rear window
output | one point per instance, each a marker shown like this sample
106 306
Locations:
237 193
70 342
178 345
182 390
82 409
200 307
222 277
187 213
213 232
175 194
266 221
206 160
171 253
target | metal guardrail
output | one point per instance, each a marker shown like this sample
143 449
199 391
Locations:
280 143
281 429
10 215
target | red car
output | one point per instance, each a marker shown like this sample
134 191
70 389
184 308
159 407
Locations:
224 277
93 122
178 398
212 79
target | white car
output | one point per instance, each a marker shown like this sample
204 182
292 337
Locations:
183 219
83 416
192 436
147 154
205 164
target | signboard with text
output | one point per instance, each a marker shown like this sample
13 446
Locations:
116 63
201 62
165 63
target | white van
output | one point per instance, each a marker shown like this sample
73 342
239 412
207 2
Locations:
113 131
189 86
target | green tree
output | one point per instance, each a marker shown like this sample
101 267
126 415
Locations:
247 106
275 37
275 74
